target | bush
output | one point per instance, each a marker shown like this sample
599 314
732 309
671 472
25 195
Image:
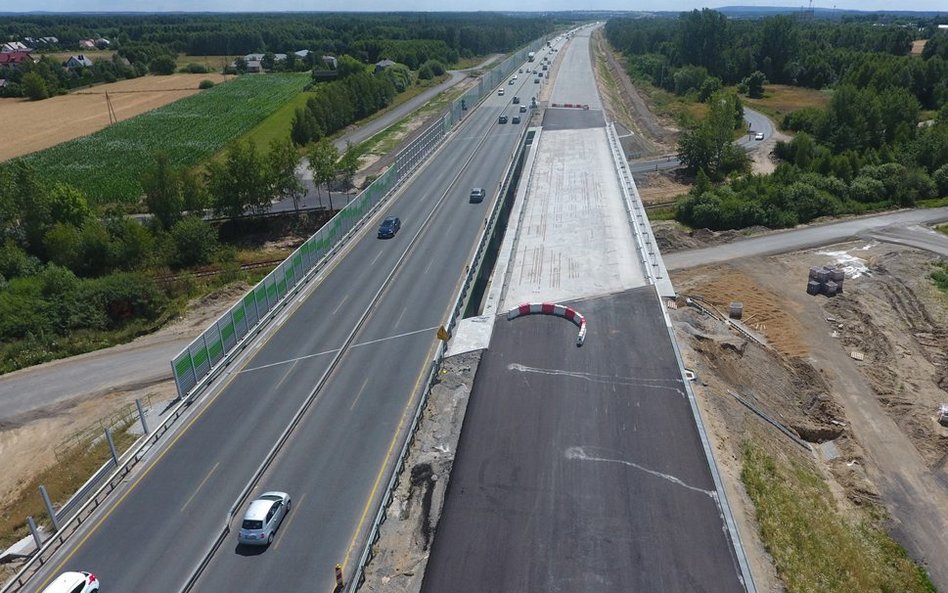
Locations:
163 65
206 84
195 242
195 68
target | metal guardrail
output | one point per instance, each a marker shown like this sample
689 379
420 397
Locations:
652 264
126 463
460 302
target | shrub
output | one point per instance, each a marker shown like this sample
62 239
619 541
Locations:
206 84
196 68
195 242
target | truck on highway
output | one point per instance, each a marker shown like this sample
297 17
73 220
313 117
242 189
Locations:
531 56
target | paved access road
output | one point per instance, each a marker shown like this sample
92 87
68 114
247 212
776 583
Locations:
159 528
581 469
813 236
756 122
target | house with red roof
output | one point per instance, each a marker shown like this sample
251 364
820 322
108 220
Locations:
13 59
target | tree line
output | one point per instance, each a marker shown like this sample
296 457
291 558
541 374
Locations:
865 151
447 34
679 54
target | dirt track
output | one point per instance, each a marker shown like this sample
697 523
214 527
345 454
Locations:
29 126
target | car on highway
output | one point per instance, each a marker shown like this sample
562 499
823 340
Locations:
477 195
73 582
515 120
511 81
263 518
536 81
500 92
502 119
521 71
389 227
516 100
523 109
759 136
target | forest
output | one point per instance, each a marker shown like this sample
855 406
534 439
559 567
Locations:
365 36
882 142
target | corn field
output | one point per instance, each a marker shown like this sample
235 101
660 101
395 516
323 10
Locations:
108 165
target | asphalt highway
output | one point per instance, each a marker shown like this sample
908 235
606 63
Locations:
336 460
581 469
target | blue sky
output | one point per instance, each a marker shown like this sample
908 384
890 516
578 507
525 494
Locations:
441 5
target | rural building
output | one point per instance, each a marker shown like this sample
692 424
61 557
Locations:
102 43
77 62
13 59
301 54
383 64
330 61
254 67
259 57
943 27
86 44
14 47
3 83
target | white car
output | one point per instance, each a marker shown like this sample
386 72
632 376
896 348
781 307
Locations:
759 136
73 582
263 518
500 92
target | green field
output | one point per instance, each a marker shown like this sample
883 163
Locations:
108 165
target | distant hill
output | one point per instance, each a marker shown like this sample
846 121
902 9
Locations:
762 11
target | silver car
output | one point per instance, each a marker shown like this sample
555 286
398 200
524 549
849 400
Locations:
263 518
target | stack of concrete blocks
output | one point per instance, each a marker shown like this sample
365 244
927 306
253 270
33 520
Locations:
825 280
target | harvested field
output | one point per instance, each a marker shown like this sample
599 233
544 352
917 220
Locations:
918 46
29 126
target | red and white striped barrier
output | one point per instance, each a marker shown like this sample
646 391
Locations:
552 309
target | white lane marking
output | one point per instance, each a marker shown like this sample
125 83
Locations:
377 257
580 454
201 485
605 379
341 303
290 360
325 352
404 335
358 395
399 320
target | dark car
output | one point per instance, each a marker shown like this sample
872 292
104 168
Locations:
477 195
516 100
515 120
502 119
389 227
536 81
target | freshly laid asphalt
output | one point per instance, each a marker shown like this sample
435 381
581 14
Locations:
581 469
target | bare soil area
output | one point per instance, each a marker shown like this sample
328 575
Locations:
29 126
858 376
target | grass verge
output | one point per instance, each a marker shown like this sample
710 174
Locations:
781 99
940 273
814 547
62 480
932 203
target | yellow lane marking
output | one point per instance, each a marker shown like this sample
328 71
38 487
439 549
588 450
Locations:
358 395
391 447
201 485
288 520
